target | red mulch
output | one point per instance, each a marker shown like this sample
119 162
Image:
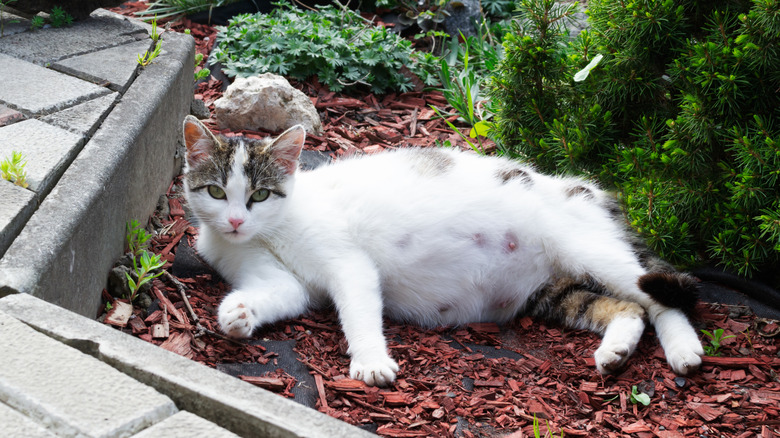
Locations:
445 373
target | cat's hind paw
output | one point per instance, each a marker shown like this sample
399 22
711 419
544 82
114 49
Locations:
375 372
235 318
684 359
611 358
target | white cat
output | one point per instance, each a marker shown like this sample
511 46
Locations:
430 236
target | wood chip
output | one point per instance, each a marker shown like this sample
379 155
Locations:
274 384
120 313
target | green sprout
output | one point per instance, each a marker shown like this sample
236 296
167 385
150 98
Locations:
137 239
59 17
639 397
147 57
137 243
203 73
37 22
715 337
145 273
537 429
12 169
154 35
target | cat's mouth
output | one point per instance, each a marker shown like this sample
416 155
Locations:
236 236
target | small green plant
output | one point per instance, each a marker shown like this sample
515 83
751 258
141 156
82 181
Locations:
60 18
147 57
37 22
464 71
715 337
203 73
144 272
144 264
538 430
154 35
639 397
137 238
344 50
12 169
57 18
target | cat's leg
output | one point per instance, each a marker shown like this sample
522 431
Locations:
355 291
678 338
618 269
264 297
575 305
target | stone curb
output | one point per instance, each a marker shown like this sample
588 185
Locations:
73 238
237 406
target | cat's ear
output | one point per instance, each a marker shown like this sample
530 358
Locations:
287 148
198 140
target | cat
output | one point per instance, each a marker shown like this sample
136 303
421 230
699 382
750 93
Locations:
431 236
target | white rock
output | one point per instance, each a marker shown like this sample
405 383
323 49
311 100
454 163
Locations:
266 102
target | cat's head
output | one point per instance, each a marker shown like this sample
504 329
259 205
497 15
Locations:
237 185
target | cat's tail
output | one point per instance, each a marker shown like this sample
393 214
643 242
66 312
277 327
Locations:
672 289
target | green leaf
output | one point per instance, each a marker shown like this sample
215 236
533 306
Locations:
480 128
639 397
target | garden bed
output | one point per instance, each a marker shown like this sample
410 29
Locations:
476 380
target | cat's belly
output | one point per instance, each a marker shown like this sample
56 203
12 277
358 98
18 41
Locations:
465 278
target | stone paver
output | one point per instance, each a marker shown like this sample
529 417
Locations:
71 393
54 91
83 119
13 24
116 65
47 149
14 424
185 425
100 31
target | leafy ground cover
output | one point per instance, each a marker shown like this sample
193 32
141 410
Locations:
478 380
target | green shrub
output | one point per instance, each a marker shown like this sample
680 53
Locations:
341 48
680 116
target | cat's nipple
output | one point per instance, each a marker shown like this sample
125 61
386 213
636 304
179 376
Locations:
235 222
510 242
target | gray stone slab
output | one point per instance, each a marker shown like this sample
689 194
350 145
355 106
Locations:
100 31
13 24
116 65
69 392
235 405
83 119
47 150
37 90
16 206
14 424
68 246
185 425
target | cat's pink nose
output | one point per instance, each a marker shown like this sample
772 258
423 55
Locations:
235 222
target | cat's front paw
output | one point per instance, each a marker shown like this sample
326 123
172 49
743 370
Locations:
235 318
375 372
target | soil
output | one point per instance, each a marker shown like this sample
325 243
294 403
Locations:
477 380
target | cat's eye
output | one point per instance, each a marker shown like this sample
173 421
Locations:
216 192
260 195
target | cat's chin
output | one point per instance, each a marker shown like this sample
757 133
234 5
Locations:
236 236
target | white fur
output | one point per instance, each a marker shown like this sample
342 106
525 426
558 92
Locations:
387 234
